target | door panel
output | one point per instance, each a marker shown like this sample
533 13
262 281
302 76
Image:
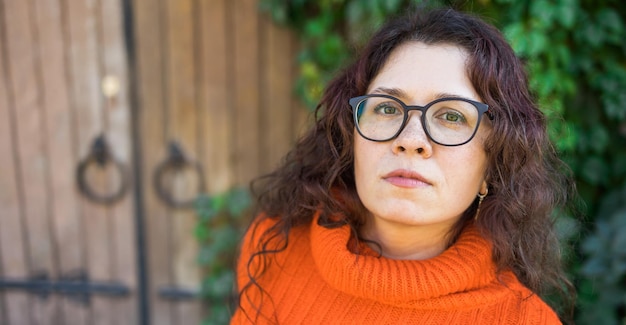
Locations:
55 55
58 125
209 80
13 305
89 106
30 160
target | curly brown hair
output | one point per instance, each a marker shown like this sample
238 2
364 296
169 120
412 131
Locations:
527 181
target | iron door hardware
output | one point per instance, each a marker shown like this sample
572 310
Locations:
177 294
99 156
75 287
176 161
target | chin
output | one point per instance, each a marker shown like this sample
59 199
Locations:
404 216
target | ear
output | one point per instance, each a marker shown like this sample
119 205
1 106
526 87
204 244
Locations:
483 187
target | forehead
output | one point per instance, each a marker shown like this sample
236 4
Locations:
423 71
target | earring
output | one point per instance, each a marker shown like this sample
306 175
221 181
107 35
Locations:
481 197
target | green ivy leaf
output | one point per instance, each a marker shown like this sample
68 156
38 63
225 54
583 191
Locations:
610 20
516 36
201 232
391 6
600 139
239 200
542 13
566 13
218 287
595 170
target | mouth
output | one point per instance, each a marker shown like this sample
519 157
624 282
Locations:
406 178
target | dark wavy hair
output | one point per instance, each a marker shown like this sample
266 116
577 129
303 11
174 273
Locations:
527 181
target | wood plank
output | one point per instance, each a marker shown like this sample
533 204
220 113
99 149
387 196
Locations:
12 251
302 116
302 119
87 106
215 97
277 88
32 160
246 93
149 43
13 262
124 249
182 123
60 143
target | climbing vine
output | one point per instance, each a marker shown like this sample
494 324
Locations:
222 219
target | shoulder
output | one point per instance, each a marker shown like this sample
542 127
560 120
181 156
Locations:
530 307
270 259
270 233
257 229
267 239
539 312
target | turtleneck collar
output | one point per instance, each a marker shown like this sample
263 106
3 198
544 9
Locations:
454 278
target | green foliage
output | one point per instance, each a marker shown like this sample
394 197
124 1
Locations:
575 52
219 229
603 293
579 76
328 31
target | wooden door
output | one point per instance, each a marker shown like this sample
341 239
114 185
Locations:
215 78
212 79
54 57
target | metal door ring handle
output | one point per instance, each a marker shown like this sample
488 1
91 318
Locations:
176 162
100 156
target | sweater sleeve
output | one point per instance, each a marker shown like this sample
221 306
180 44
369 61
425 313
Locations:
536 311
247 268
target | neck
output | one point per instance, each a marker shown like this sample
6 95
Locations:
406 242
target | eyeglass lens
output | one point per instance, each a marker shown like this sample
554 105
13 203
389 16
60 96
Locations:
448 122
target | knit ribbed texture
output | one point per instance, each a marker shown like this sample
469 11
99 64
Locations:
318 280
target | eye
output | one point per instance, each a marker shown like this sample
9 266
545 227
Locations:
388 108
452 116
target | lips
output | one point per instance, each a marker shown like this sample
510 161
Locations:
406 178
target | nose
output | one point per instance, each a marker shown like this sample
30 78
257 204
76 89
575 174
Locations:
413 139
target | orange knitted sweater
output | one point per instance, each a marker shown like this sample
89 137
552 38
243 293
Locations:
317 279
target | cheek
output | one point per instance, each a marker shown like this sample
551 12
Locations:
365 158
358 159
475 152
474 174
484 132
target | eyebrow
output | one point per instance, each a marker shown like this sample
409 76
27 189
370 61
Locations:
395 92
443 95
399 93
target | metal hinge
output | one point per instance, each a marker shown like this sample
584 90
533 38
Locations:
75 287
176 293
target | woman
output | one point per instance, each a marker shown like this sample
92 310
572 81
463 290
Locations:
422 194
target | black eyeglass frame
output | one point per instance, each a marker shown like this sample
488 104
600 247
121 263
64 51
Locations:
482 108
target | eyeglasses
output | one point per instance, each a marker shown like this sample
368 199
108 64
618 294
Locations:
446 121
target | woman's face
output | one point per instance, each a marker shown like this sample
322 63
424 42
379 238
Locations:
411 180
